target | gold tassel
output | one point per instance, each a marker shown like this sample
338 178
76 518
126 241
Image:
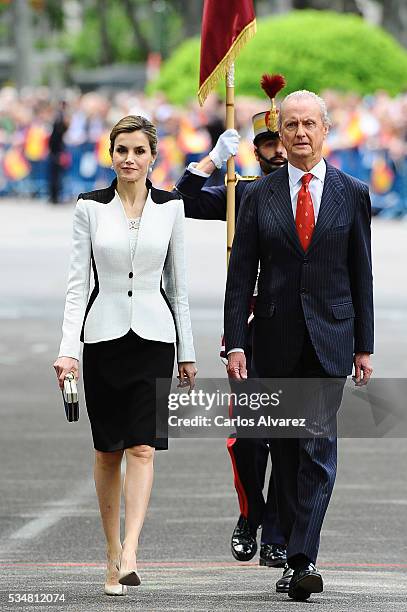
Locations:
221 69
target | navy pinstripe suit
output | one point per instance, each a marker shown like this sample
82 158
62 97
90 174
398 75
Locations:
249 455
314 310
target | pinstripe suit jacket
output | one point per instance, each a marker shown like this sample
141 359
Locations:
328 288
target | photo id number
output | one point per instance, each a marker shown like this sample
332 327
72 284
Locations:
35 598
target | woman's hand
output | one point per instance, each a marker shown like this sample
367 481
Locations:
186 374
65 365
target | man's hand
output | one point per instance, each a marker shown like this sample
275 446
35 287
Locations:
226 146
236 367
363 369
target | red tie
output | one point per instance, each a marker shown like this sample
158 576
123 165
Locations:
304 217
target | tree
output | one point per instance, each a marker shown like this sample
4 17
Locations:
395 18
342 6
112 31
333 51
394 12
191 12
107 52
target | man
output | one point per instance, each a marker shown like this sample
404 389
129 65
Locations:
309 226
56 153
249 456
209 203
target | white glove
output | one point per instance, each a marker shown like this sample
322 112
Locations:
226 146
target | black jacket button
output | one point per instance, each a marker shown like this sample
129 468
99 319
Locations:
130 274
130 293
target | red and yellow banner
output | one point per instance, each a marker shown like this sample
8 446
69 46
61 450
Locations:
15 165
36 143
226 28
382 177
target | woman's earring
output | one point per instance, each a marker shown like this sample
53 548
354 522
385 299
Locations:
112 167
151 167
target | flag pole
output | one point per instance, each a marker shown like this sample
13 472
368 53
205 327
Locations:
231 176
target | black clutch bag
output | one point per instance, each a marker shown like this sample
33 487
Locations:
70 397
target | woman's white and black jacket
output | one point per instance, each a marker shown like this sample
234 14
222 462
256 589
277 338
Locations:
147 294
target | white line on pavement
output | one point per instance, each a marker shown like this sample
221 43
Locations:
51 516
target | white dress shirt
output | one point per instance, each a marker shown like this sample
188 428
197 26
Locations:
316 187
192 167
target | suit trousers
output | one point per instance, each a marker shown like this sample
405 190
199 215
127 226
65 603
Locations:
304 469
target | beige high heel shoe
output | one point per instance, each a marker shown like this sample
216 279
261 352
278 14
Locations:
114 589
128 578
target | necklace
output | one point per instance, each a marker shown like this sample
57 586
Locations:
134 224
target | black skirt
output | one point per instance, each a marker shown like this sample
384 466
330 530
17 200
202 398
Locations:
119 378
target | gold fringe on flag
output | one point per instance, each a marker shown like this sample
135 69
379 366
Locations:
221 69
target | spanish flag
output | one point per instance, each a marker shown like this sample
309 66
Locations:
102 150
15 165
382 177
226 28
36 143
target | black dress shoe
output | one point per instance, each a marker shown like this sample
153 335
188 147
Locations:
305 580
243 544
283 584
273 555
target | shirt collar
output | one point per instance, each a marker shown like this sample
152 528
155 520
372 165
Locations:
295 174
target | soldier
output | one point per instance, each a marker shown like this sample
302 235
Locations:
249 456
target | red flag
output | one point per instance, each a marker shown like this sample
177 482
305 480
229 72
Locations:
226 28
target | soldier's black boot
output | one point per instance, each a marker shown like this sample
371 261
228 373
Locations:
243 544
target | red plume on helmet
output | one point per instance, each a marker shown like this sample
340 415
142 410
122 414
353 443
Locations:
272 84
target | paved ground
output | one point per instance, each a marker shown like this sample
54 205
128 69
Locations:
50 537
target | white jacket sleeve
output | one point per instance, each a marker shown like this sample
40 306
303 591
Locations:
78 284
176 290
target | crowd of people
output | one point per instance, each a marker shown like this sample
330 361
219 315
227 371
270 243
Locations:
57 146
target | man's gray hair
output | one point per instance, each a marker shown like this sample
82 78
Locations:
304 93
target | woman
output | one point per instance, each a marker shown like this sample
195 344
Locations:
132 236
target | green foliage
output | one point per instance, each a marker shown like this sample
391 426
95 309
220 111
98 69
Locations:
179 77
120 35
54 11
315 50
160 31
85 48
